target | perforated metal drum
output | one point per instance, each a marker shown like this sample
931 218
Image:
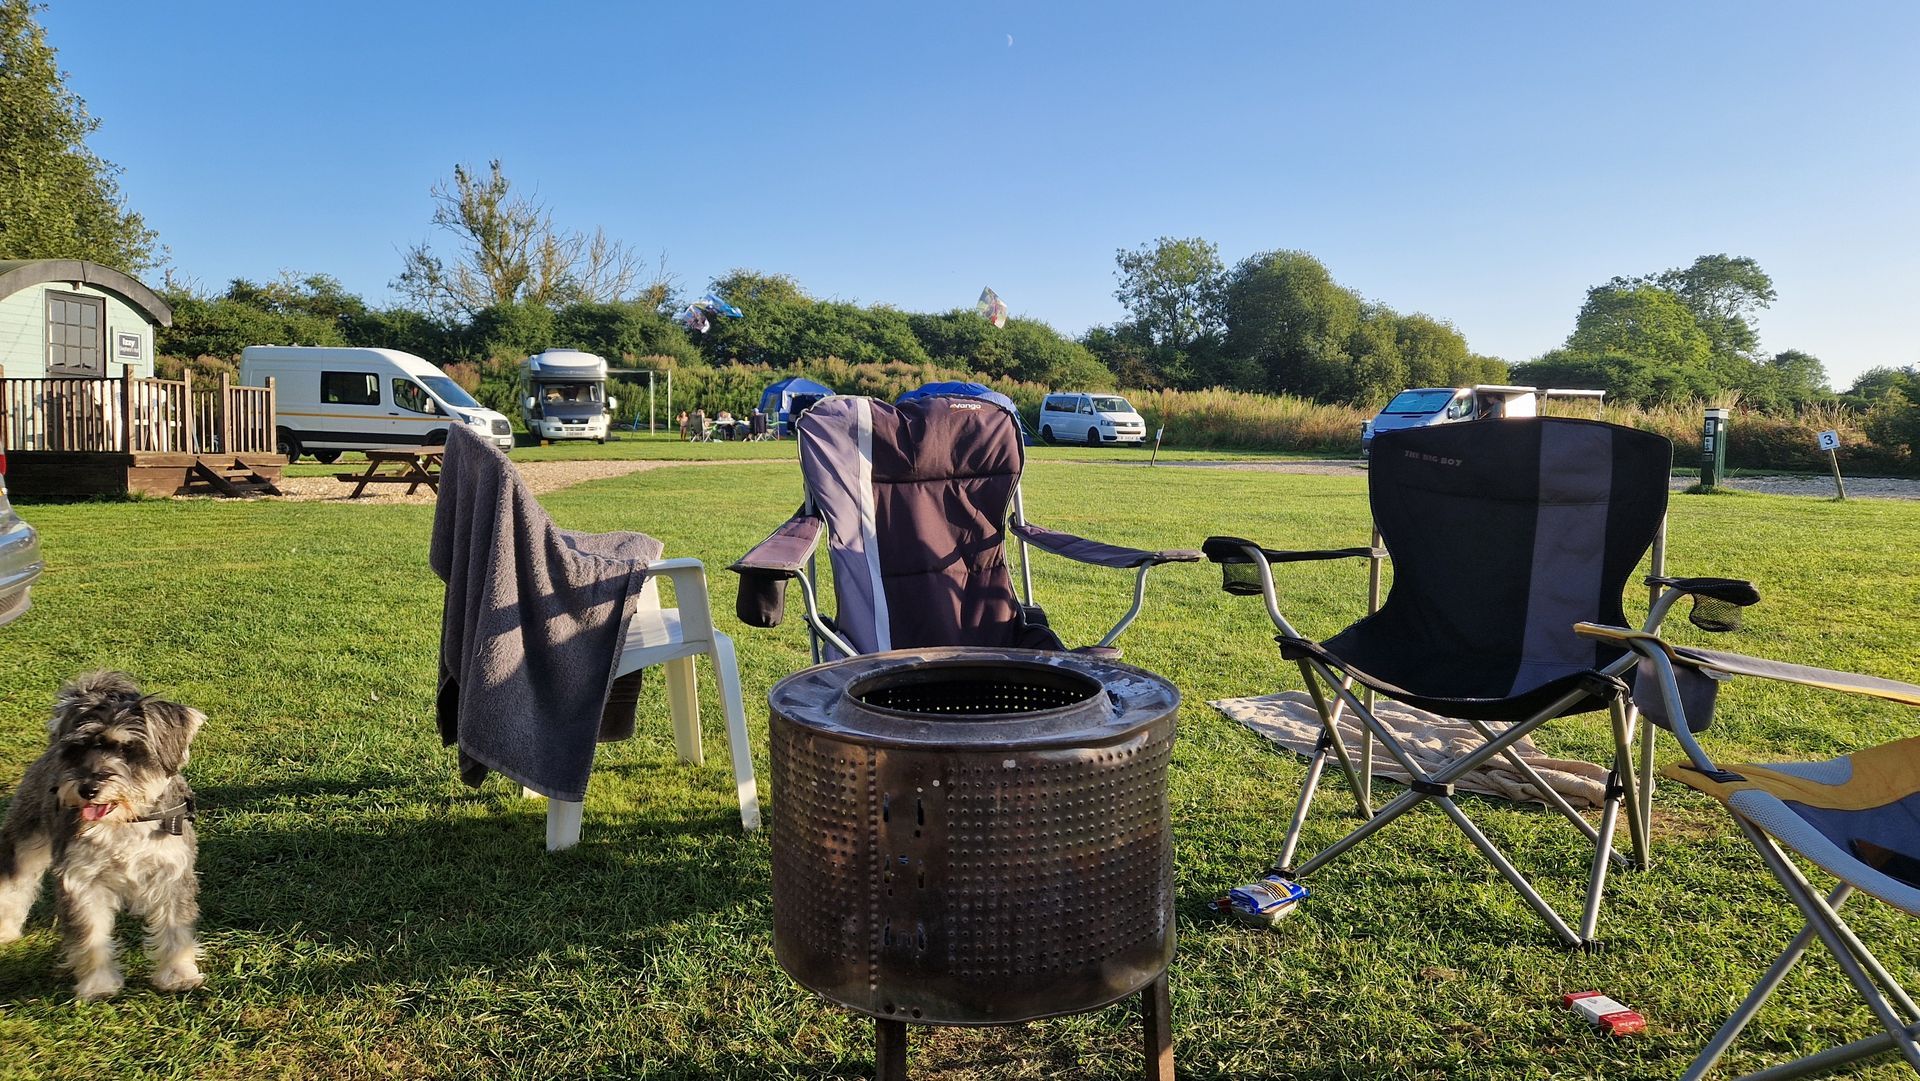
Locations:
972 837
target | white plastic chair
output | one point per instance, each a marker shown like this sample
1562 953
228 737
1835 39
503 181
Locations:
671 638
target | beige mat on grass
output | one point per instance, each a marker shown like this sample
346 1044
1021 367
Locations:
1289 719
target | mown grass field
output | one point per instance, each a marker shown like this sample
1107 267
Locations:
367 916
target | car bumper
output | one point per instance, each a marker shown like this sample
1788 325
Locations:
20 565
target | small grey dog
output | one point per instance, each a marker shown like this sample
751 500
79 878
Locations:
107 809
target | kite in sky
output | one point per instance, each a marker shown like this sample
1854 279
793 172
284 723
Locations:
700 314
991 306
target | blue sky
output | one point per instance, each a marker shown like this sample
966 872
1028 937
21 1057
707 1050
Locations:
1484 165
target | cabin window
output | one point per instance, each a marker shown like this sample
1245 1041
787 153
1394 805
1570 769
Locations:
1460 407
76 334
411 396
349 388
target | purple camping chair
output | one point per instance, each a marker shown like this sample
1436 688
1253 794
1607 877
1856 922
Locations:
916 501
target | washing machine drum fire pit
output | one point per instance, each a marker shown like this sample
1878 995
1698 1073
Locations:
974 837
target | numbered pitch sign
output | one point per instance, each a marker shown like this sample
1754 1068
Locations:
1829 440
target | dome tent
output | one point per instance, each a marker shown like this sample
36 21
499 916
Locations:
785 400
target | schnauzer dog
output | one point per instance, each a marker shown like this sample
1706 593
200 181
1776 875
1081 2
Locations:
107 809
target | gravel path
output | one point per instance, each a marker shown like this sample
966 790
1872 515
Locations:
542 477
549 476
1821 487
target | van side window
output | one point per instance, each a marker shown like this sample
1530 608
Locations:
1459 407
1056 404
1086 406
411 396
349 388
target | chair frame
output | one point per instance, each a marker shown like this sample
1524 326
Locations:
1630 783
1867 974
671 638
809 524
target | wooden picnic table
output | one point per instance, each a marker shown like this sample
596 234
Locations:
420 465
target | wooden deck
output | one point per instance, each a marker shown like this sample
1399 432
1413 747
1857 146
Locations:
71 438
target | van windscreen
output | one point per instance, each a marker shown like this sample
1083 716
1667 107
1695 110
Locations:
1419 402
449 391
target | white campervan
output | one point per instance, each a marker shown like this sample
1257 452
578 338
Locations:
330 399
1090 418
566 395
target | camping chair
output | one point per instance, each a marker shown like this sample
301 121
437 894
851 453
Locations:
914 501
1855 817
698 428
1502 535
757 428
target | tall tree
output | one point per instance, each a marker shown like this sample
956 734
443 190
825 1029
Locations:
58 199
1172 288
1288 319
507 250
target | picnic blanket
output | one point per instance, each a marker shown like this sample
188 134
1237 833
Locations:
1290 720
533 623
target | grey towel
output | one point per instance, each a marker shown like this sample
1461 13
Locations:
533 625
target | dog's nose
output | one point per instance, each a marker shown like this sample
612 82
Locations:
88 790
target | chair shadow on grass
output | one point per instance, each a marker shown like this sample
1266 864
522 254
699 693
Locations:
326 890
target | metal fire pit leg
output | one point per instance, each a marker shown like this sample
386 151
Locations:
890 1050
1156 1019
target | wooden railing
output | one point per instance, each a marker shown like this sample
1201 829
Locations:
130 414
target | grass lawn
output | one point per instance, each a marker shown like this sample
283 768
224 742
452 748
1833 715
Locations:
368 916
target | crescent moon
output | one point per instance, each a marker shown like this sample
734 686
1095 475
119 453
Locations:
1009 41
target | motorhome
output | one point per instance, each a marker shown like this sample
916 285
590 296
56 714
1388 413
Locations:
1423 407
565 395
330 400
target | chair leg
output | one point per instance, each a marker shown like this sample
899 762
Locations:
1507 871
1855 965
563 824
1315 767
683 695
726 673
1723 1039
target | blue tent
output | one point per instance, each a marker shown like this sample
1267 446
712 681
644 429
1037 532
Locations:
789 398
973 390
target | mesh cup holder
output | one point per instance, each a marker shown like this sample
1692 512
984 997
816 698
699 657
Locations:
982 691
1713 615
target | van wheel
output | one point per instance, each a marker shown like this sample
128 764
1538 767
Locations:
1093 437
326 457
1046 434
287 445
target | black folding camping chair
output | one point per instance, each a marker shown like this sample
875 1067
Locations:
915 502
1502 536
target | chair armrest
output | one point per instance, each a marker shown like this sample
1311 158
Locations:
784 552
1235 550
1735 664
689 578
1094 553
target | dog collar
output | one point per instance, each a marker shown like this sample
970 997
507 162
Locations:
172 819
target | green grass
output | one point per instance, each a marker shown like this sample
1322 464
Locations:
368 916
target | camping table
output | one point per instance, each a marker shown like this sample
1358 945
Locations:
409 467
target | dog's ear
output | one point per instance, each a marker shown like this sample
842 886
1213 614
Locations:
170 728
87 692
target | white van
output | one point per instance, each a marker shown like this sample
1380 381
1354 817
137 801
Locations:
330 399
1090 418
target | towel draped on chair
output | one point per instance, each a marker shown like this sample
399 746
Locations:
532 628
